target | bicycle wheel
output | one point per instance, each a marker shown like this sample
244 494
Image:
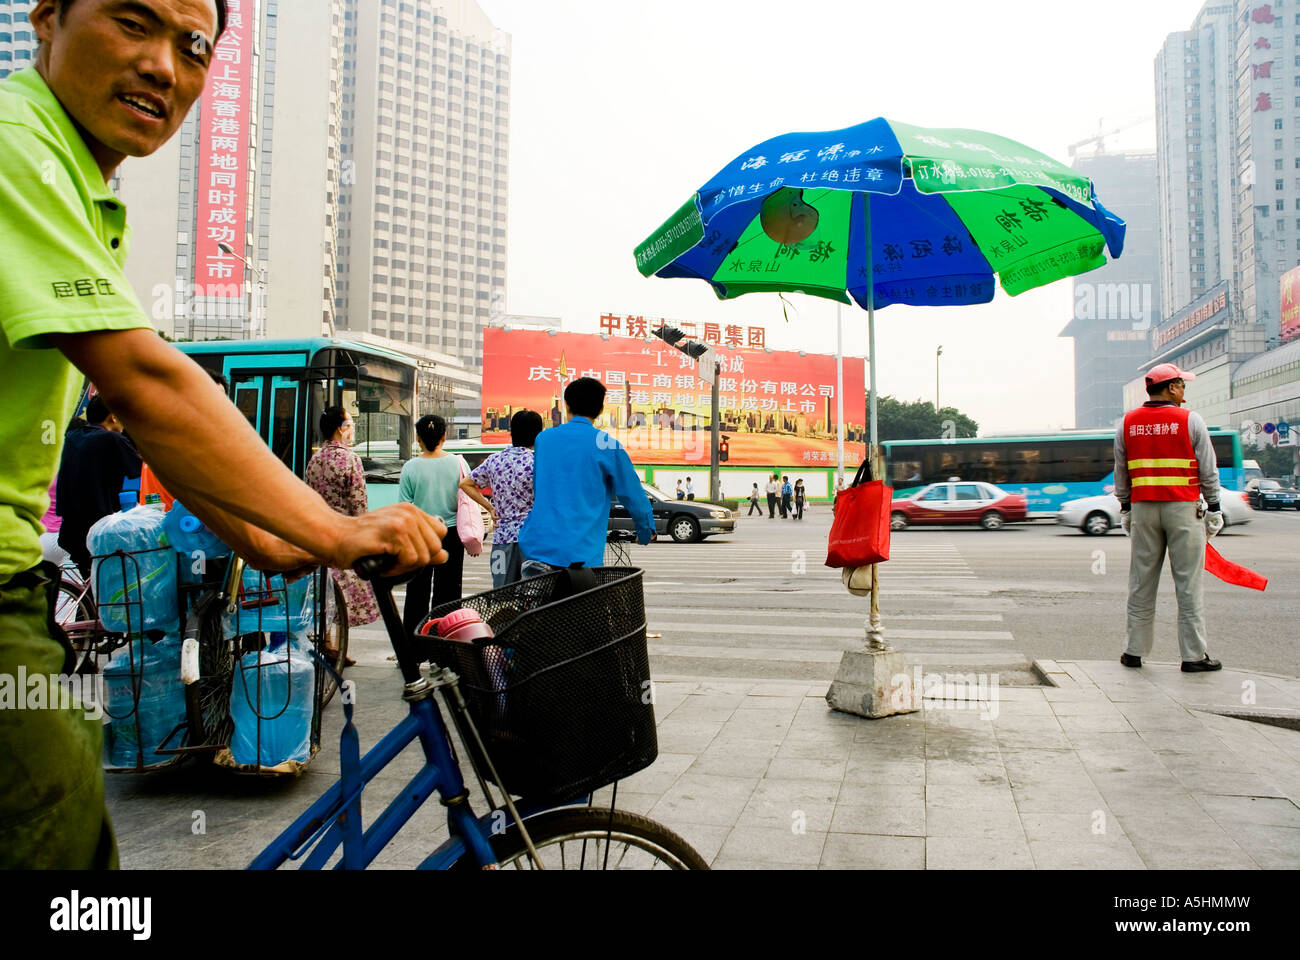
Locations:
335 638
589 838
74 605
210 706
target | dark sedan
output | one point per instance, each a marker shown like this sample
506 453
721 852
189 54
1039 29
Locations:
686 521
1269 494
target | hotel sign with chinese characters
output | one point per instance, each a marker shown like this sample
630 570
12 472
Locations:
1263 70
224 132
1205 313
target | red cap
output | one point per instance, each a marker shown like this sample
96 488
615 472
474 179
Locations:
1164 372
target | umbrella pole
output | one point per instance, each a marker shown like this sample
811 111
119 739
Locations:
872 682
875 629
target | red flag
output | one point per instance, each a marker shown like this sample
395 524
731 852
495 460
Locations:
1233 573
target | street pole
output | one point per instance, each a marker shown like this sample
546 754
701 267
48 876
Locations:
839 397
937 354
875 629
715 481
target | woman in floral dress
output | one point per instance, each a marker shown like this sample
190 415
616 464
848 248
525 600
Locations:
335 472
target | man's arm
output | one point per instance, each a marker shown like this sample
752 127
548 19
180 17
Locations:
1207 463
211 459
1123 490
628 489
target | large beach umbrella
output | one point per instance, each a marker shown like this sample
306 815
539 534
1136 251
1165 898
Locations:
883 213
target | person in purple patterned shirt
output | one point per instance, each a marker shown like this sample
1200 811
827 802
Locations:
335 472
509 476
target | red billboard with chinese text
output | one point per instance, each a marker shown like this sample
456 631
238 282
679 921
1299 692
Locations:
224 130
777 409
1291 304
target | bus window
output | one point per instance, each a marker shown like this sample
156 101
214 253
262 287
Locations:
905 472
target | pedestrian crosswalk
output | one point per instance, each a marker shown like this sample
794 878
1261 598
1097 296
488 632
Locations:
761 604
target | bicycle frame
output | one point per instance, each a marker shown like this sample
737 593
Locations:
335 818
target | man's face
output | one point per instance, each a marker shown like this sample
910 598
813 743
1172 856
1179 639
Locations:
127 71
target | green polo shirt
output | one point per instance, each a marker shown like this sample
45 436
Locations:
63 240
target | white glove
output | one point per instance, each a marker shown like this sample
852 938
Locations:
1125 518
1213 523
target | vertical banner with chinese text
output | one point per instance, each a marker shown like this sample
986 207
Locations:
222 186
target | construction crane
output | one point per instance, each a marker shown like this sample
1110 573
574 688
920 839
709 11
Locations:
1099 138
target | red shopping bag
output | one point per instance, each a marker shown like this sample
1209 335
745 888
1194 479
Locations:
860 533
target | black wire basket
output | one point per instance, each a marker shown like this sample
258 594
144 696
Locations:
561 693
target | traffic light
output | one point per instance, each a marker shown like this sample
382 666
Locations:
669 335
722 451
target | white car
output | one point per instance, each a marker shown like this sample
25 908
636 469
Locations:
1099 515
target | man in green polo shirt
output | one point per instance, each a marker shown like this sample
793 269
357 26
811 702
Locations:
112 79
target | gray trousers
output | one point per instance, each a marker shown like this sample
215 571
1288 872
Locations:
1157 527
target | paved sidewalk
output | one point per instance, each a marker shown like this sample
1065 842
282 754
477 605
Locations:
1112 769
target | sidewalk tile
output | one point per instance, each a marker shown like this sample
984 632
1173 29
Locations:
969 853
1045 739
724 766
767 844
866 772
1084 855
815 750
1094 723
754 725
775 814
1057 798
803 769
1270 846
706 838
852 851
954 771
976 821
885 809
786 705
767 749
1074 827
698 708
980 795
1185 845
748 865
1262 811
1219 783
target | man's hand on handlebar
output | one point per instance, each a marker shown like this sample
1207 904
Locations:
402 530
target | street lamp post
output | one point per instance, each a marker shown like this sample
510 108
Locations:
256 316
700 353
937 354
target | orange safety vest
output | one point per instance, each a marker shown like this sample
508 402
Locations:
1161 460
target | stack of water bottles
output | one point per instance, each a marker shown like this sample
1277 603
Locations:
274 691
133 577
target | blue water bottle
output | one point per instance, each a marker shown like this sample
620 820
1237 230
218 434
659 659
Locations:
189 537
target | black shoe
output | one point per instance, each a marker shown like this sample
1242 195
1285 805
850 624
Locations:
1201 666
1130 661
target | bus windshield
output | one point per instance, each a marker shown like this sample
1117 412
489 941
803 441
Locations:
380 398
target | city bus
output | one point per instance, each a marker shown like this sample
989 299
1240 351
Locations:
1046 470
282 386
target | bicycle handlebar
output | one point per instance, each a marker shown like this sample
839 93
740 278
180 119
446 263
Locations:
375 566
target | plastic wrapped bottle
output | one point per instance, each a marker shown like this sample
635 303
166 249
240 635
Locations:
262 607
284 698
160 708
152 598
189 537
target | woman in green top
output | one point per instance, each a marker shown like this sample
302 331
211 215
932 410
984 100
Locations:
431 481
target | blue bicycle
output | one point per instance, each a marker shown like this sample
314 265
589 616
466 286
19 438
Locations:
552 700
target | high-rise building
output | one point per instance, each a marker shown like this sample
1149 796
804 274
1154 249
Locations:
426 140
355 152
17 40
1196 120
1267 157
1115 307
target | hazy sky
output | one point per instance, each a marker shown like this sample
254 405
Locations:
622 109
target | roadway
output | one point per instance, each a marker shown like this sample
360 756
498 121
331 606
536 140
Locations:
760 603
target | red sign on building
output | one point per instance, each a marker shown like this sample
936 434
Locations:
222 185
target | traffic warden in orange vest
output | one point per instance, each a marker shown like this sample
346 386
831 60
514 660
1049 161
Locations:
1164 465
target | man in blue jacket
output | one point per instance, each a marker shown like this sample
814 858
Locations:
578 470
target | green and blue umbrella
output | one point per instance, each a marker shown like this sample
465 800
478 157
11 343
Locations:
931 216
